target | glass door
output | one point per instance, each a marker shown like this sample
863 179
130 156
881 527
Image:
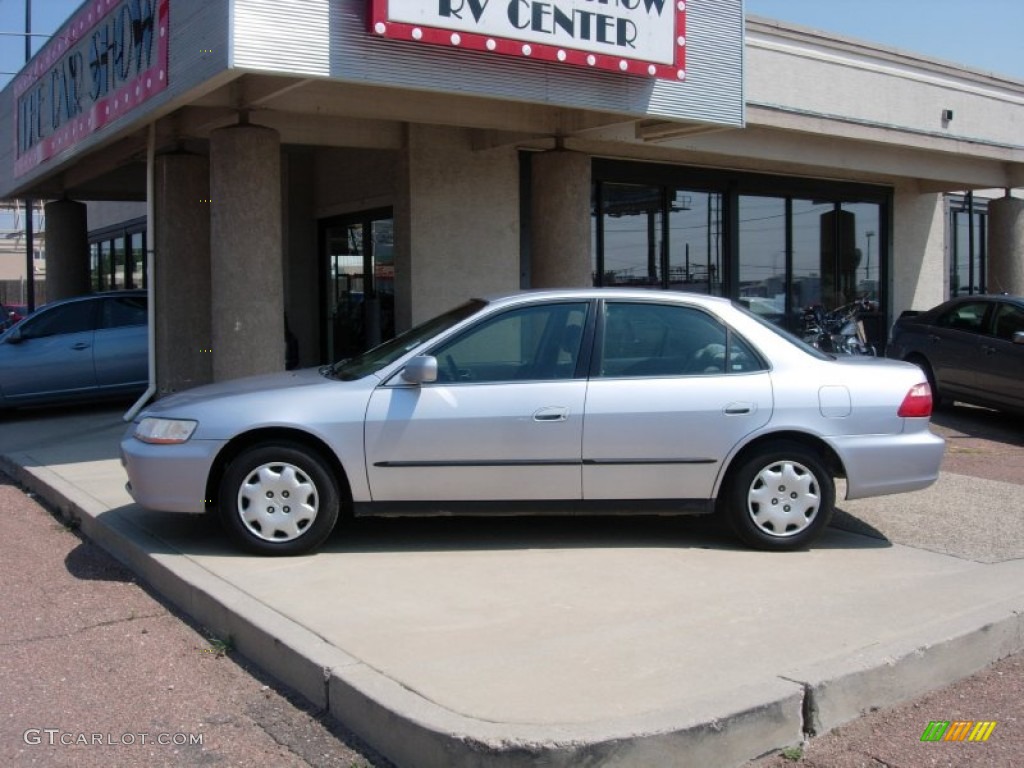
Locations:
359 306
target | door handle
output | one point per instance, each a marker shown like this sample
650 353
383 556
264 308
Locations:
552 413
80 345
739 409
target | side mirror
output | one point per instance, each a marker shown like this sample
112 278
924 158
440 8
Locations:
15 337
1018 337
420 370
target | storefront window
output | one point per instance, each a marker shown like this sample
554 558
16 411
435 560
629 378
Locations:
777 245
135 274
631 224
967 258
695 242
117 264
655 237
360 263
763 257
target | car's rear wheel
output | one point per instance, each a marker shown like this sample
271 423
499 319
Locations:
279 499
780 497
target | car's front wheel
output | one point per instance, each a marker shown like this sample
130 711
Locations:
279 499
780 497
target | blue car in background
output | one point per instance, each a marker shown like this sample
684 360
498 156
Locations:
79 349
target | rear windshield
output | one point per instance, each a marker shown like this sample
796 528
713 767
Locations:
787 335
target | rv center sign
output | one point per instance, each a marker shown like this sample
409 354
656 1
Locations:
640 37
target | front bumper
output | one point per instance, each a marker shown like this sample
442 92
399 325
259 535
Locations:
169 478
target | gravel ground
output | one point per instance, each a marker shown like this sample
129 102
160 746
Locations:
983 444
88 655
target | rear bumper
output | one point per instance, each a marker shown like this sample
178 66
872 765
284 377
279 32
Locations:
877 465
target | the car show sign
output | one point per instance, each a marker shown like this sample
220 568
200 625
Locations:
640 37
110 58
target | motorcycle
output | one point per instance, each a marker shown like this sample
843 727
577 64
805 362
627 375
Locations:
839 331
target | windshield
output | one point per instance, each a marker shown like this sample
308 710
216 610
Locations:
792 338
384 354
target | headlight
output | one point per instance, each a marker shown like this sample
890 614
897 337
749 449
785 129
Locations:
165 431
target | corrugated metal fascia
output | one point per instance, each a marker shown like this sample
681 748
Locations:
281 36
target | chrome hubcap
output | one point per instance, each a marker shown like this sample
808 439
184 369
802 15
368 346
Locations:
783 499
277 502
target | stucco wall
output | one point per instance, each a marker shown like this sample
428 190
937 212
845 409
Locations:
826 75
463 219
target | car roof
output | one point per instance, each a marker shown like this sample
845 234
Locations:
135 292
644 294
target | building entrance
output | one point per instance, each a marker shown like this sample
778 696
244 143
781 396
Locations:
359 282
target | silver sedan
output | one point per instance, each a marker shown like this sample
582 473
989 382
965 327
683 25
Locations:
565 402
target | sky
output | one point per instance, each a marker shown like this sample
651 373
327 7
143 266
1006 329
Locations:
982 34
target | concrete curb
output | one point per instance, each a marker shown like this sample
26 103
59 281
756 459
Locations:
845 688
409 729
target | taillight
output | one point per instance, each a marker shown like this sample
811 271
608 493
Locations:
917 403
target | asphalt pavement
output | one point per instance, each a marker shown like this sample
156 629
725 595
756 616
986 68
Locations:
463 617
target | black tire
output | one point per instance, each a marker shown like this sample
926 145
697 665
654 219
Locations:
779 497
297 494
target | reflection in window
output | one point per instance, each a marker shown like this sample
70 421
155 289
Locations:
654 237
763 257
533 343
695 242
644 339
967 263
632 229
76 317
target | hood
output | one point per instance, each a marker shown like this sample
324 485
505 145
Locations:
272 382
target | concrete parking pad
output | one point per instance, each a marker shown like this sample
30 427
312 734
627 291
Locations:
529 641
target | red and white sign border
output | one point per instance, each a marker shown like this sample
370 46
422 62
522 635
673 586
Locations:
130 95
382 26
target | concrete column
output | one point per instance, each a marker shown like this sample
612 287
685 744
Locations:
180 284
1006 246
456 220
67 250
247 289
560 221
920 273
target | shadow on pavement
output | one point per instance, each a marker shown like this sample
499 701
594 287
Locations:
172 533
969 421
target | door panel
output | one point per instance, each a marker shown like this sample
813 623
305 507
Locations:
673 391
1000 362
666 438
504 421
470 442
55 355
122 357
954 347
